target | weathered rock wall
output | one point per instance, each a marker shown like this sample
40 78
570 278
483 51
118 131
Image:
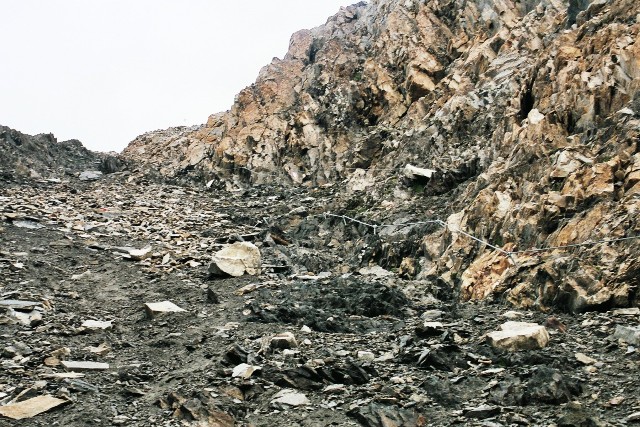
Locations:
529 112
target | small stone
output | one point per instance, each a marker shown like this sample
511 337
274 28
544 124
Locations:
512 315
535 116
366 356
84 366
18 304
629 334
212 297
90 175
482 412
634 417
430 329
245 371
334 389
96 324
284 340
616 400
516 336
633 311
431 315
306 329
133 253
376 271
154 309
101 350
289 397
412 172
65 375
584 359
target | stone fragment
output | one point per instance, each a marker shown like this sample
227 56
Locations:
64 375
285 340
236 260
27 223
633 311
244 370
548 385
84 366
289 397
154 309
512 315
430 329
100 350
635 417
90 175
375 270
366 356
515 336
431 315
19 304
97 324
482 412
629 334
579 418
584 359
411 171
135 254
535 116
31 407
30 318
381 415
334 388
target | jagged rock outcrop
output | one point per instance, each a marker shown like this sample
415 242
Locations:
42 156
529 112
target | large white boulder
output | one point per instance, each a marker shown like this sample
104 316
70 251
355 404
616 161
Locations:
236 260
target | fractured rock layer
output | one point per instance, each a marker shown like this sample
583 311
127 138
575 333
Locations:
527 112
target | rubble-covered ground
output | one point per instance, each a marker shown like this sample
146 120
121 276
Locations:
80 259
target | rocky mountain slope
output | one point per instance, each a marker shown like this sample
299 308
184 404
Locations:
35 157
439 200
523 115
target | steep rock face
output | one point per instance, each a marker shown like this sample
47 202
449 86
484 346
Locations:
527 111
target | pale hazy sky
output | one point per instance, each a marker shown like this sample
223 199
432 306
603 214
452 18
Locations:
105 71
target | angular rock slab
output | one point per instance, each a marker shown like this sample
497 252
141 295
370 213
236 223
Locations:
31 407
236 260
154 309
516 336
630 334
289 397
84 366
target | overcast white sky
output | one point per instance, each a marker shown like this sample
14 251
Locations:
105 71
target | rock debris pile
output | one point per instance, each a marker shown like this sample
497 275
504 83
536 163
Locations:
110 316
425 214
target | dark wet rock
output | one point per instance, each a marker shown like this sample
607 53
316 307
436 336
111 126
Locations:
199 409
508 392
323 308
236 355
380 415
481 412
548 385
580 418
